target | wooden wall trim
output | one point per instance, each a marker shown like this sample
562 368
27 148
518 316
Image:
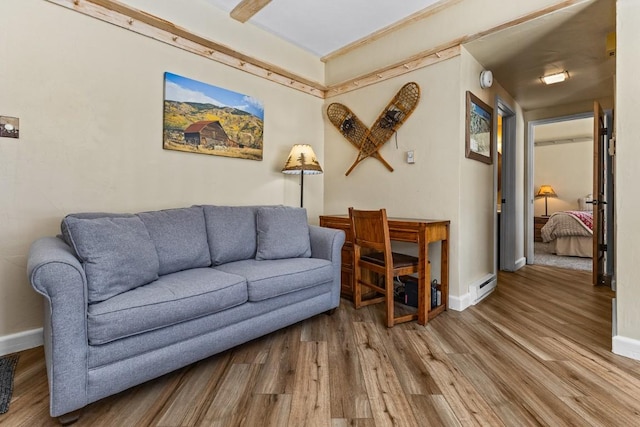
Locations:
424 59
417 16
135 20
156 28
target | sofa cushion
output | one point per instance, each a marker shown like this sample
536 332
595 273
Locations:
173 298
117 254
231 231
87 215
283 232
272 278
180 238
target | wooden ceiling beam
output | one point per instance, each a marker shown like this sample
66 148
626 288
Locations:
247 8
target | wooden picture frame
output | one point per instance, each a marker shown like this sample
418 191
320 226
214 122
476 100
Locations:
478 130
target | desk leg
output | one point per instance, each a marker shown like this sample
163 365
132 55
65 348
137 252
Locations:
424 274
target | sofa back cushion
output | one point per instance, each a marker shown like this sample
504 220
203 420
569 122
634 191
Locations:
117 254
283 232
231 231
180 238
86 215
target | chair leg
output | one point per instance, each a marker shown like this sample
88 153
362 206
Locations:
357 291
357 288
389 299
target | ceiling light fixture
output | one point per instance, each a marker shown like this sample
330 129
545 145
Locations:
555 78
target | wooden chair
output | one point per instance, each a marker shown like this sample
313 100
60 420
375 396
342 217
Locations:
372 251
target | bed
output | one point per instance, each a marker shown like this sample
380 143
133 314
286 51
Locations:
570 233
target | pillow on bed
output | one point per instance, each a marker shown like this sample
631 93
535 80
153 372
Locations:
283 232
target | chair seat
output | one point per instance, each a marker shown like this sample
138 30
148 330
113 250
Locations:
399 260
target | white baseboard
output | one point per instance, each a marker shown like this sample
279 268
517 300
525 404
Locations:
626 347
478 290
20 341
460 303
521 263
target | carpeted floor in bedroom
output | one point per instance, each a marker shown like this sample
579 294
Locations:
544 256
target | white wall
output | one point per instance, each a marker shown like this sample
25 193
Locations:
627 172
568 168
426 189
202 19
89 96
442 183
477 206
476 197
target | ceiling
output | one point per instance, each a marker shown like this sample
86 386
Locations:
322 27
571 39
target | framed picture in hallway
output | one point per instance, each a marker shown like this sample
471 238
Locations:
478 130
206 119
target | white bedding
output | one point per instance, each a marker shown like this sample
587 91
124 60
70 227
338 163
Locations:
580 246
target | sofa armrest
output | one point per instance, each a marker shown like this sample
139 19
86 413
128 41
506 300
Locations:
56 273
326 243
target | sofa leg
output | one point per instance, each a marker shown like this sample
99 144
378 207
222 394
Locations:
330 312
70 418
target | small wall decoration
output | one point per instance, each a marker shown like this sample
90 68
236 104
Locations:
205 119
9 127
479 130
369 141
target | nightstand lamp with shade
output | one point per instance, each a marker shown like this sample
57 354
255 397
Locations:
302 160
546 191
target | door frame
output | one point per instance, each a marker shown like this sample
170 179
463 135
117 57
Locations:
506 254
529 172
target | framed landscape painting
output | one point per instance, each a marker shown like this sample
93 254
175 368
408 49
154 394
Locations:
479 130
205 119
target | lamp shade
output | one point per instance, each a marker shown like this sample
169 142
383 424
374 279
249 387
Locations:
546 191
302 160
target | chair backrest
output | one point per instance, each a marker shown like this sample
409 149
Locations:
370 230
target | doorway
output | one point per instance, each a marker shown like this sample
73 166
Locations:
576 199
562 164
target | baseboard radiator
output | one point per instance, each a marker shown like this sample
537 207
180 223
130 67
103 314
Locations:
482 288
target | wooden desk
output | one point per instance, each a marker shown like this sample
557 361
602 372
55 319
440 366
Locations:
419 231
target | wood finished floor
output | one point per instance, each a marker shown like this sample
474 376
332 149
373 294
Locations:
535 352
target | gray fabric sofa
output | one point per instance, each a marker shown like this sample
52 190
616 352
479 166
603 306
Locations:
130 297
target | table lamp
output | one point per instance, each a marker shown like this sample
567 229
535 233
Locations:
546 191
302 160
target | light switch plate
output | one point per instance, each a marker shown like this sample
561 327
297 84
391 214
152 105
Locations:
9 127
411 157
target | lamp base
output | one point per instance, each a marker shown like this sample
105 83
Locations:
545 206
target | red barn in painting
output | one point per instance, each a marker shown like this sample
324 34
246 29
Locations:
206 133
